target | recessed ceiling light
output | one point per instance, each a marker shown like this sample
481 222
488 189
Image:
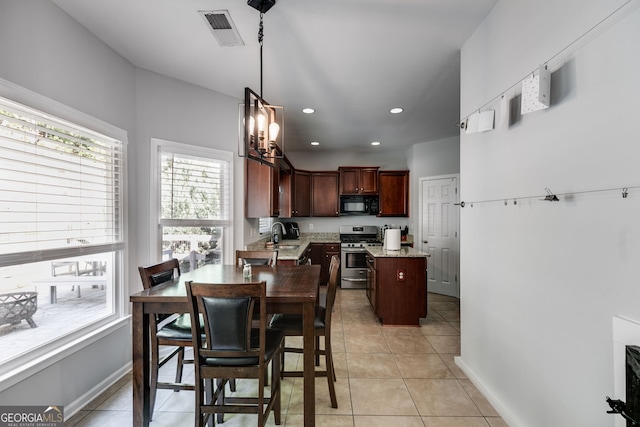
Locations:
315 143
375 143
396 110
308 110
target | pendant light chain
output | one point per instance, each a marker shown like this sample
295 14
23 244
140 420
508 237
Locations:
260 37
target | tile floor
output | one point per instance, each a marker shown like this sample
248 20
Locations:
386 376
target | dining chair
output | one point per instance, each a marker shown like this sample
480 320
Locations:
227 347
291 324
265 257
166 330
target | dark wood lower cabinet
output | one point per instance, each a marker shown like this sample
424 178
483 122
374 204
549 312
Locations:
321 254
398 291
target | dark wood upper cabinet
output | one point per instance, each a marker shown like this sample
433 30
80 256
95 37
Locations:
393 188
358 180
262 198
324 193
301 193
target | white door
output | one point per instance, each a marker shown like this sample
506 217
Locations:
439 223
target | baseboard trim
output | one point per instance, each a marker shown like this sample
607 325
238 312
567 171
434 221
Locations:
493 400
82 401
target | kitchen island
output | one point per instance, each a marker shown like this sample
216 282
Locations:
397 285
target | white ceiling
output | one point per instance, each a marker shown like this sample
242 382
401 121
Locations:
351 60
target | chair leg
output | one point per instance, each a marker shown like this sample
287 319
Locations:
331 374
180 364
317 353
276 387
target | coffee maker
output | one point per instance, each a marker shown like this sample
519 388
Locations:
291 231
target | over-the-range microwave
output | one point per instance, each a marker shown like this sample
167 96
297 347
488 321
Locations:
359 205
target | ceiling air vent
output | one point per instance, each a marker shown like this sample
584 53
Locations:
221 24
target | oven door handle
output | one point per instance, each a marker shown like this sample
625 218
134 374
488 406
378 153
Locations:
348 279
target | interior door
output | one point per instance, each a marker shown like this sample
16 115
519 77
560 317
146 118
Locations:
439 224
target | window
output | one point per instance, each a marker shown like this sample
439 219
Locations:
61 231
194 203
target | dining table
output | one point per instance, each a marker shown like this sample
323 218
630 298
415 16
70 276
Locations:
290 289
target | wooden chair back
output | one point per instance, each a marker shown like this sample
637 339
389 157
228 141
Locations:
266 257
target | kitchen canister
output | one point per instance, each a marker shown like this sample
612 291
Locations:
392 239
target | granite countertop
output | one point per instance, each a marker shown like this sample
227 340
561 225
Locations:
302 244
404 252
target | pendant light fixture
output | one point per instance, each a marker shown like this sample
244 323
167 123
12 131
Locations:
261 124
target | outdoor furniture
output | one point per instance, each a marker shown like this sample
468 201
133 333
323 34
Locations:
73 281
18 306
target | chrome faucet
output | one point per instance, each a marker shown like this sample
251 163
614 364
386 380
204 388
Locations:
273 235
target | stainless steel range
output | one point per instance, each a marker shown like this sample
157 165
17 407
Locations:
354 241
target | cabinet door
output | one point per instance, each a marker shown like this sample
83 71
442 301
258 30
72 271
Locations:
324 194
261 190
393 188
369 181
349 181
301 193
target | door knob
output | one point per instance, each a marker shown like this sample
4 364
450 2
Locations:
425 241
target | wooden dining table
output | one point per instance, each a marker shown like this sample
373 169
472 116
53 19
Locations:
290 289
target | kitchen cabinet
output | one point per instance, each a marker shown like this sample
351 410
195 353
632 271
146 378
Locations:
321 254
358 180
301 193
393 188
398 292
262 195
324 193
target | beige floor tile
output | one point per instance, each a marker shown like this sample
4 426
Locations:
372 365
387 421
455 325
455 422
438 328
481 402
445 343
431 297
296 420
432 316
496 422
422 366
409 344
366 344
450 316
440 306
361 329
441 397
401 331
381 397
323 401
451 364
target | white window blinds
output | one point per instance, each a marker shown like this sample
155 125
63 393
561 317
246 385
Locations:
195 191
61 187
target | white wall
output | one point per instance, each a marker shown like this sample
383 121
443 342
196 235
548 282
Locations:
47 52
540 281
173 110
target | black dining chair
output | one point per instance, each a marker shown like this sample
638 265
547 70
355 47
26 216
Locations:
265 257
172 330
227 347
291 324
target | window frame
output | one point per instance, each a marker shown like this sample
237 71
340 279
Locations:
20 368
161 145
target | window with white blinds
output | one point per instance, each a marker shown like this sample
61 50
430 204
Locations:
194 203
194 190
61 188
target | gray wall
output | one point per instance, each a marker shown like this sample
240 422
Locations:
541 281
47 52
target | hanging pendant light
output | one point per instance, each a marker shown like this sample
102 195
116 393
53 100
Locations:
261 124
